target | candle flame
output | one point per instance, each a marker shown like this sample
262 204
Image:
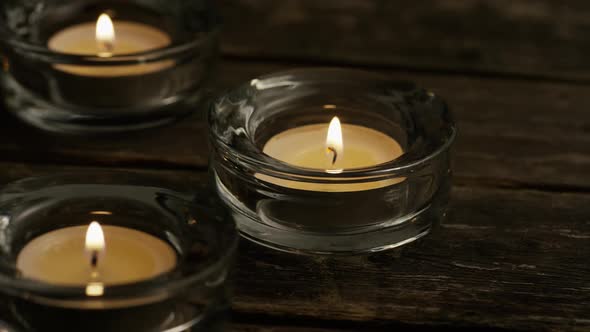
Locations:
105 35
94 237
334 142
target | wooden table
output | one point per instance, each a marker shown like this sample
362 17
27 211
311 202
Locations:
514 254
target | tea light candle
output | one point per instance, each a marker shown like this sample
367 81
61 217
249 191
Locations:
95 256
106 39
333 148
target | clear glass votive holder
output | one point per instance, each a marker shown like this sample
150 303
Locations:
60 75
191 296
291 207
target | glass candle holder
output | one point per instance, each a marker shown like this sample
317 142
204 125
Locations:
382 181
88 66
145 225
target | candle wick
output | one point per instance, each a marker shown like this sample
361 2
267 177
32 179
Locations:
106 48
334 154
94 259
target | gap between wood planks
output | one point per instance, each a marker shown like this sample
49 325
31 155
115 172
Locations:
412 69
463 181
253 322
458 181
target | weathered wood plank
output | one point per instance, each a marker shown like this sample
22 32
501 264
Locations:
183 179
511 132
513 259
266 328
301 324
543 38
347 327
183 145
505 258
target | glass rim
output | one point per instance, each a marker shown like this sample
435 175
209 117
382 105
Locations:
44 54
258 161
136 293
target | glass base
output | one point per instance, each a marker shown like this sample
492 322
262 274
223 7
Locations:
261 229
72 119
184 318
193 296
291 198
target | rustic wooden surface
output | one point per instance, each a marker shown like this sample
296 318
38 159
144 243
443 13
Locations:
541 38
513 254
511 132
507 258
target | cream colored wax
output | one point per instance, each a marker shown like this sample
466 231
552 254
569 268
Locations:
61 257
305 146
105 38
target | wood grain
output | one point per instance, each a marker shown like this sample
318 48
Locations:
505 259
347 327
513 254
258 328
538 38
511 132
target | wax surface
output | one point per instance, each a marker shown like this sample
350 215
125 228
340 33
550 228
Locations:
131 37
305 147
59 257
